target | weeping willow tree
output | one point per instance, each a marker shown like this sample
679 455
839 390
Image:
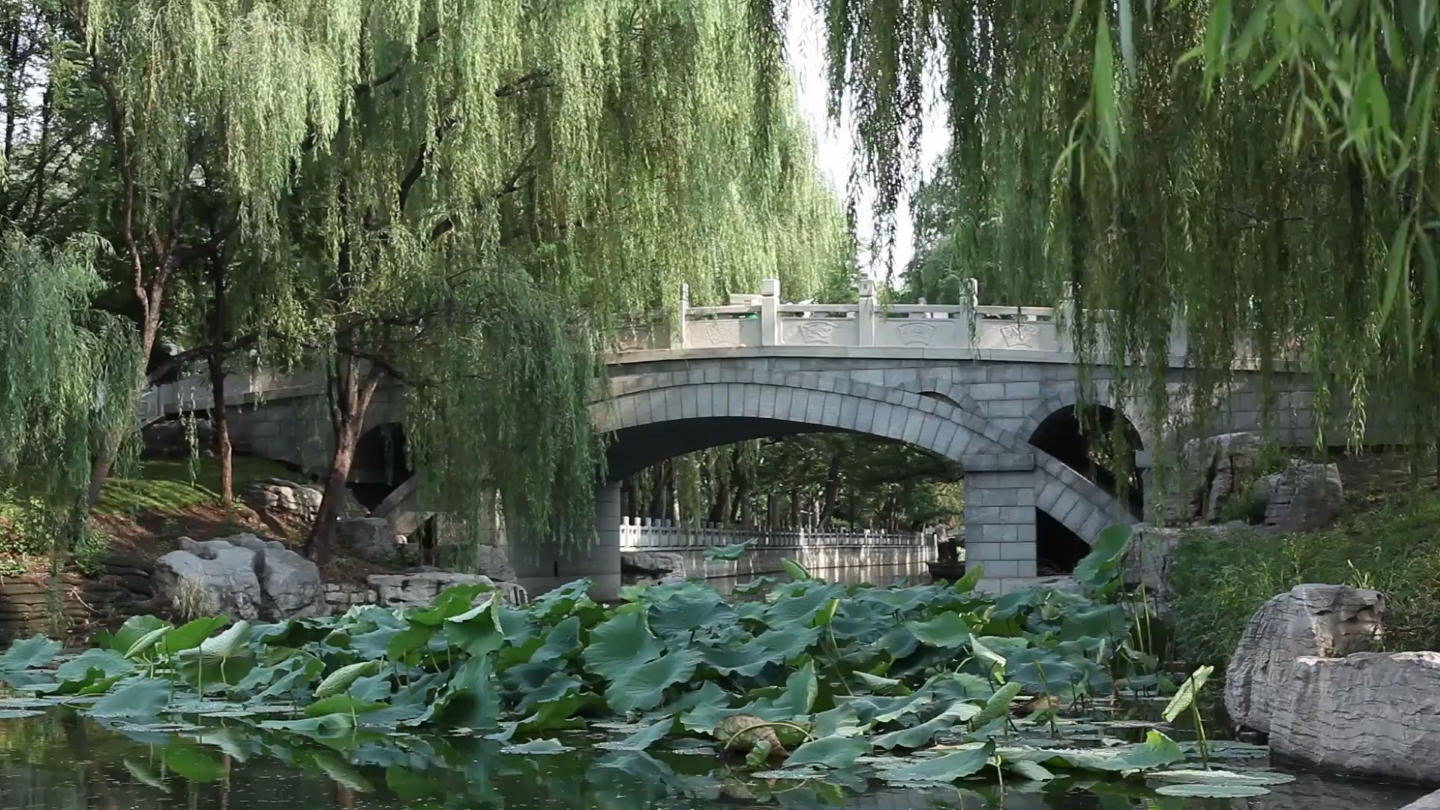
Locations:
61 365
1264 169
460 199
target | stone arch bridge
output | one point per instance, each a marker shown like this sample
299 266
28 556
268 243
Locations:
990 387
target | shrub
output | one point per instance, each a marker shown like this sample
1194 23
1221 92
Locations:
1219 582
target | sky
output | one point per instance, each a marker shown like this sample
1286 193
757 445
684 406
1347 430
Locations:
805 44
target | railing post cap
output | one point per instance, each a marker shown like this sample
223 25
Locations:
770 287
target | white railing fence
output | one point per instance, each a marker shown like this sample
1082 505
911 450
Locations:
645 534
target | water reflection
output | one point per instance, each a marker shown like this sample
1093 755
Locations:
61 762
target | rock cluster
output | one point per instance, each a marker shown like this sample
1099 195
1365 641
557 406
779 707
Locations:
653 567
242 577
1304 675
276 496
1310 620
1219 477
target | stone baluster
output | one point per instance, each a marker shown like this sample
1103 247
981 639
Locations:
865 320
770 312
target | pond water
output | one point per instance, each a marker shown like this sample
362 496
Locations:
61 761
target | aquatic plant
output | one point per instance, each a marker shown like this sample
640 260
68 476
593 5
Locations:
814 677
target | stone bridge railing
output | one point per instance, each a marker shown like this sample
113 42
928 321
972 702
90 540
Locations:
755 321
644 534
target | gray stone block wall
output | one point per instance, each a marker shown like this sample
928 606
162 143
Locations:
1000 523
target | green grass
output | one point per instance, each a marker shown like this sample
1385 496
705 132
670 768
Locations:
167 484
1219 583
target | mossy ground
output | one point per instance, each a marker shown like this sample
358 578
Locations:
1388 538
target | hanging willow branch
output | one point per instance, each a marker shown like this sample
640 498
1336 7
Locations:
1262 169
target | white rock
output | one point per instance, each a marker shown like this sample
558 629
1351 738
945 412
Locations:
1373 715
1234 459
1305 496
1310 620
210 578
1208 475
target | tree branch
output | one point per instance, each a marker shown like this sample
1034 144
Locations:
201 352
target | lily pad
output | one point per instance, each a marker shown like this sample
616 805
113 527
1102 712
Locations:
1212 791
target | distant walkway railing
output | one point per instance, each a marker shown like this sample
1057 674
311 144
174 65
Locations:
644 534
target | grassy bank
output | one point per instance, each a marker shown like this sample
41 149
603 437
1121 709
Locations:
141 513
1387 542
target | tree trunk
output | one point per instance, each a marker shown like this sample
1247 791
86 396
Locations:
110 447
218 413
832 492
795 508
352 386
223 452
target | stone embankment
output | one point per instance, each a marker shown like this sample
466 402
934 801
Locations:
32 604
1304 674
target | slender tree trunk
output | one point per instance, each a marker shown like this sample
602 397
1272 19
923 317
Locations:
795 508
223 452
352 387
832 492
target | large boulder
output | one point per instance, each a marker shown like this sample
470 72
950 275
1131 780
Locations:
660 567
371 539
1152 555
209 578
1210 474
243 577
420 588
289 584
276 496
1302 497
1309 621
1373 715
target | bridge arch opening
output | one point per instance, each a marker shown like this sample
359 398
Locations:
381 464
1099 443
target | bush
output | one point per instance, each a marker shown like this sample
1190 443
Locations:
1219 582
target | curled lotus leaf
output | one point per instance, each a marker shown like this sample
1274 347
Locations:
742 732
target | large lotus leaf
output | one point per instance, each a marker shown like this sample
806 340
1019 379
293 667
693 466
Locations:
621 645
1198 777
1100 569
829 752
330 726
373 688
552 606
708 697
477 631
1016 603
801 609
90 667
562 640
375 643
696 605
1046 672
456 600
877 709
29 653
292 632
134 628
949 630
1109 621
789 642
801 689
470 700
860 621
1221 791
998 706
1187 693
288 681
414 637
144 697
556 687
747 660
899 643
643 738
947 768
795 570
191 635
841 721
732 552
643 687
1157 751
921 735
881 685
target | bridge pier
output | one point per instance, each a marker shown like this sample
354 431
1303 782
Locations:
1000 524
545 563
